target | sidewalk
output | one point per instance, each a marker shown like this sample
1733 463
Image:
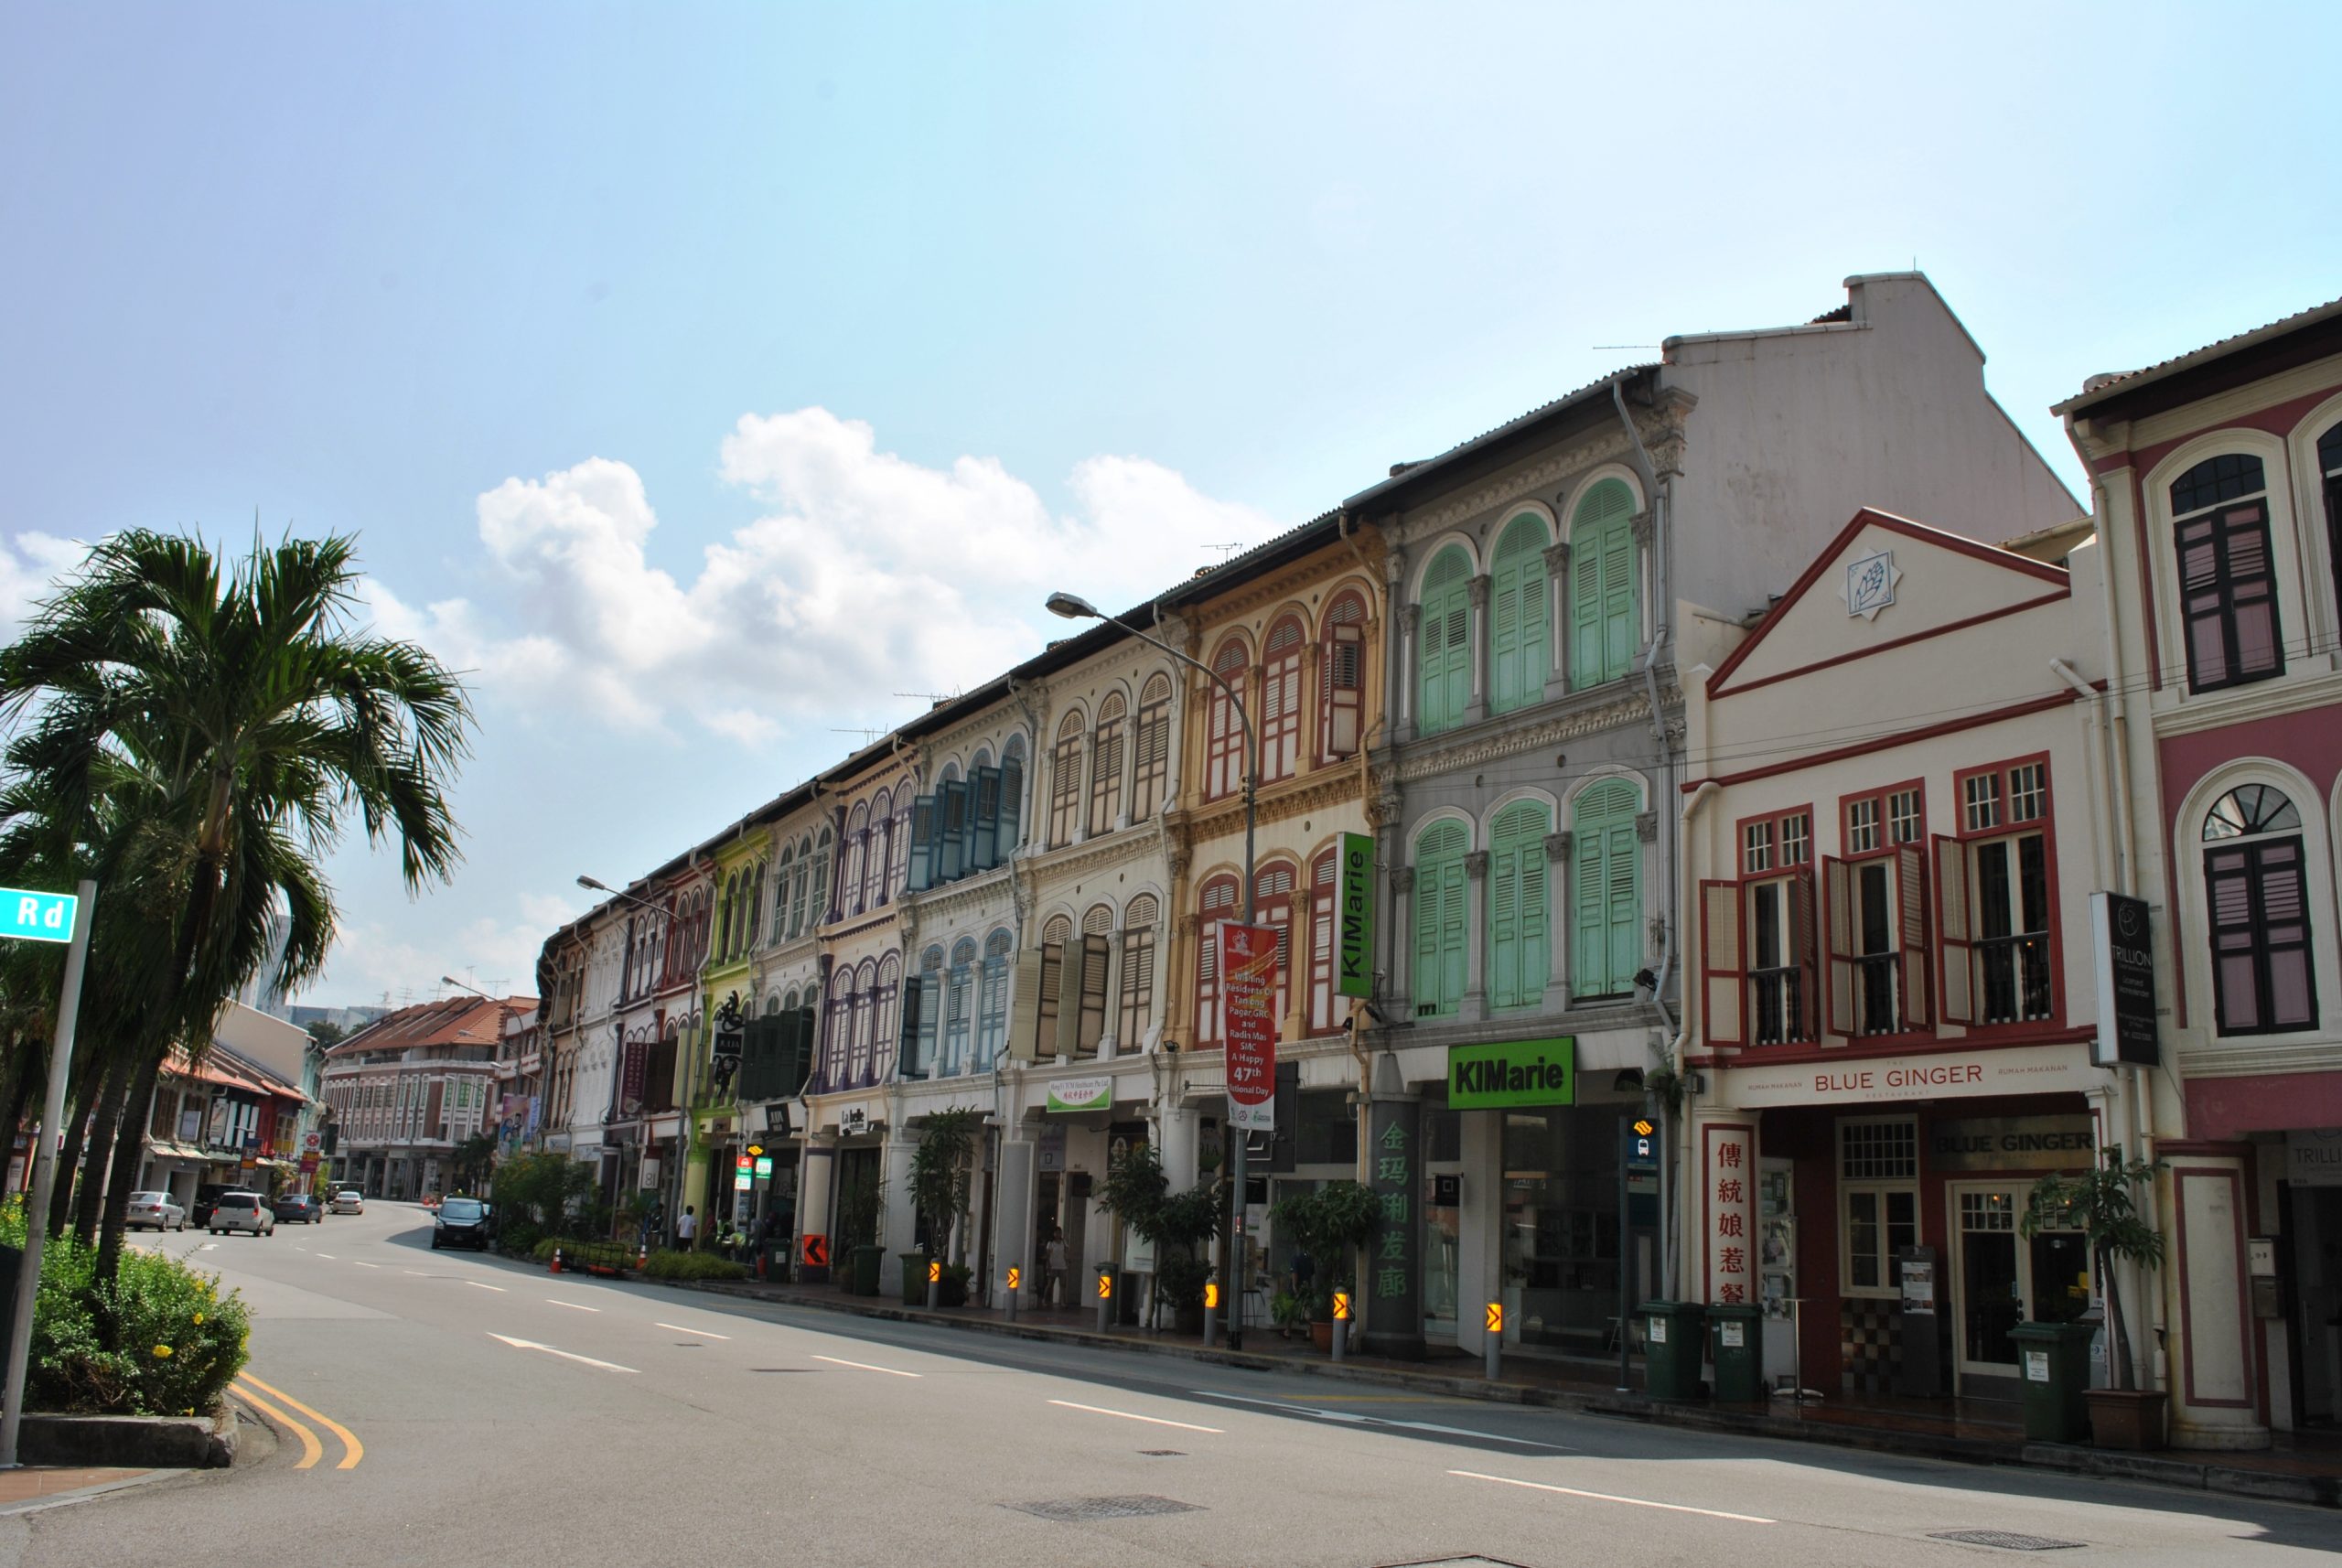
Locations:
2305 1470
44 1486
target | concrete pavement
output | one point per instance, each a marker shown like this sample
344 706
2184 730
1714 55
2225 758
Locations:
466 1409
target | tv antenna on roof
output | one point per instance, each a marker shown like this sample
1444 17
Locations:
868 735
1229 549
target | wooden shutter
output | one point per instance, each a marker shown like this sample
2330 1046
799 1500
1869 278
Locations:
1091 1025
918 1004
1051 1030
922 873
1838 907
1589 876
1012 808
983 830
1585 610
1344 682
1504 639
1504 925
1619 605
1024 1008
1956 967
1911 938
1451 954
1061 1025
1426 914
1799 933
1622 871
1722 972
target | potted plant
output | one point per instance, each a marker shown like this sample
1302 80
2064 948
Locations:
2097 1204
1327 1224
939 1190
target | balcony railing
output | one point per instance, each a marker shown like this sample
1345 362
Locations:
1778 999
2016 973
1878 987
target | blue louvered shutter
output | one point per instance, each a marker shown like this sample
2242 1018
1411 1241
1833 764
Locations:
983 834
1602 585
922 865
1518 658
1517 922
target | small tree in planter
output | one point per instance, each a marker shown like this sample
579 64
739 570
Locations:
1328 1224
1176 1225
940 1178
2098 1203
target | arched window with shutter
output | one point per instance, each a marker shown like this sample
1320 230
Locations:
1217 902
1439 968
2228 583
1272 906
1065 780
886 993
2263 968
1150 740
1280 715
1606 874
823 852
1135 1013
1012 813
1060 962
2330 468
1444 655
1224 731
1089 983
929 1000
958 1007
1323 875
899 863
1519 904
1106 766
1519 657
1341 678
882 832
1604 611
992 1018
857 844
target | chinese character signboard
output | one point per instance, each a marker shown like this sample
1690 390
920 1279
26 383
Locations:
1354 918
1247 971
1393 1280
1728 1179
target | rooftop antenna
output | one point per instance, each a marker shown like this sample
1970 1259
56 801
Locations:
1608 348
932 696
1227 549
868 735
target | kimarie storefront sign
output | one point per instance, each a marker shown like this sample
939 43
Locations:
1509 1073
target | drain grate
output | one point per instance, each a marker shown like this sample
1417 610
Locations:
1455 1563
780 1368
1164 1453
1081 1511
2006 1539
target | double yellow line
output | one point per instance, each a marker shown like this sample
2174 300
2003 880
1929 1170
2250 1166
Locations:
250 1389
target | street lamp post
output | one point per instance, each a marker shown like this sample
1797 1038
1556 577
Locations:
1074 607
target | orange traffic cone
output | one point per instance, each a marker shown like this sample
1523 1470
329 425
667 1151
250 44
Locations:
556 1259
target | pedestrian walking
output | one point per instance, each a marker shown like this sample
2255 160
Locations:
1053 1266
687 1229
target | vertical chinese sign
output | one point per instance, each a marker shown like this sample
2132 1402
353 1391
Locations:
1728 1177
1392 1285
1248 969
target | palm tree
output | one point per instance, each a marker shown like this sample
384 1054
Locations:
204 735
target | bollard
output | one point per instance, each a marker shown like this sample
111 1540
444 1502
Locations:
934 1284
1105 1297
1341 1324
1495 1338
1015 1275
1212 1311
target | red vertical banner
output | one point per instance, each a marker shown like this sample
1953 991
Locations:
1728 1175
1248 990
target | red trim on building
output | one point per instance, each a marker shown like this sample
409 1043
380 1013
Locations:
1891 643
2225 1108
1889 742
2235 1178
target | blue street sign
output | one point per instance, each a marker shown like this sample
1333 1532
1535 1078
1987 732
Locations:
36 917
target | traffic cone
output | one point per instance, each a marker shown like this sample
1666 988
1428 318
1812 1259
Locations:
556 1259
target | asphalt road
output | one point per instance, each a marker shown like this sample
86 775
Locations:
460 1410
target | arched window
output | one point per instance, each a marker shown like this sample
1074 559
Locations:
730 899
1065 780
882 830
783 881
1088 983
885 1036
772 1003
1443 661
1341 677
1519 657
1012 814
930 995
1134 1013
1216 903
958 1007
857 850
2228 584
1060 956
2329 465
1324 873
1519 906
1606 872
1224 731
821 878
991 1026
1438 984
898 869
2255 889
1272 905
838 1071
1604 614
1106 766
1150 740
1280 712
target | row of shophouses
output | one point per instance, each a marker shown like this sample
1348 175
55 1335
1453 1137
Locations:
1761 721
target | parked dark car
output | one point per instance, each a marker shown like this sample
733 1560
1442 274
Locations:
298 1208
207 1199
462 1222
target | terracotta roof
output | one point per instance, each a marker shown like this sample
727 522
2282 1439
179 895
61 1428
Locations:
450 1021
2101 387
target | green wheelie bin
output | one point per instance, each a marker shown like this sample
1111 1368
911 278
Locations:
2053 1367
1736 1344
1672 1348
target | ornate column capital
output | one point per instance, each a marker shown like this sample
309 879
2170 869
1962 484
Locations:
1640 523
1412 618
1402 879
1557 557
1395 564
1557 845
1479 591
1475 865
1647 826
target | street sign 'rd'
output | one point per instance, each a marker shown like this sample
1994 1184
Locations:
36 917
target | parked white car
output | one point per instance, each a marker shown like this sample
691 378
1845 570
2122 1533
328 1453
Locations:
242 1211
349 1200
156 1211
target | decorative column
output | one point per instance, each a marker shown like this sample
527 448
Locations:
1411 628
897 1226
1476 935
1557 580
1557 918
1303 943
1013 1217
1478 706
1640 525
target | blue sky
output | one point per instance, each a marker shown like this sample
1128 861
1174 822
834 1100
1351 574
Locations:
906 312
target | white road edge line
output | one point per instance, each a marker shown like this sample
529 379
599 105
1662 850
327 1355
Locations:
867 1366
571 1305
329 1257
1150 1420
1612 1498
703 1333
564 1355
478 1285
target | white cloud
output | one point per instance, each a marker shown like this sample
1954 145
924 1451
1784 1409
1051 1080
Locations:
868 575
30 567
371 960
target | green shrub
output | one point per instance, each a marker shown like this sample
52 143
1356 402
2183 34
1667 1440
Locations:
162 1339
666 1265
522 1237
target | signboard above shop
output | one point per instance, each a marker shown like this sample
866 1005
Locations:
1510 1073
1930 1075
2122 958
1081 1094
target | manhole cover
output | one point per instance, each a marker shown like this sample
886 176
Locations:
1079 1510
2006 1539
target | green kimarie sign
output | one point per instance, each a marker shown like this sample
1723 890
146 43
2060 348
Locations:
1513 1073
1354 918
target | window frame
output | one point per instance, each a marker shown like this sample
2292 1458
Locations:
1224 759
1065 778
1971 838
1284 649
1341 696
2218 518
1520 586
1440 874
1440 612
1106 738
1210 909
1151 748
1885 1189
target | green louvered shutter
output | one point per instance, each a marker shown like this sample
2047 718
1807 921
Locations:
1516 908
1602 585
1439 920
1607 874
1517 597
1445 659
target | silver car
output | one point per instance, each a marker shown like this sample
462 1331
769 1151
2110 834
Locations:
349 1200
156 1211
242 1211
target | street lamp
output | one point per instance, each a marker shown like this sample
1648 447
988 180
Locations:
1072 606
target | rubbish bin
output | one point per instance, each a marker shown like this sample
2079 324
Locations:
2053 1365
1736 1338
862 1268
915 1279
1672 1348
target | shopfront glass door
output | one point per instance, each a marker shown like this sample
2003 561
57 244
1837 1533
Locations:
2006 1278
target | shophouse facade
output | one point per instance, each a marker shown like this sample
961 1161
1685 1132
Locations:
408 1088
1897 809
589 1049
241 1114
2217 478
1528 757
780 1008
